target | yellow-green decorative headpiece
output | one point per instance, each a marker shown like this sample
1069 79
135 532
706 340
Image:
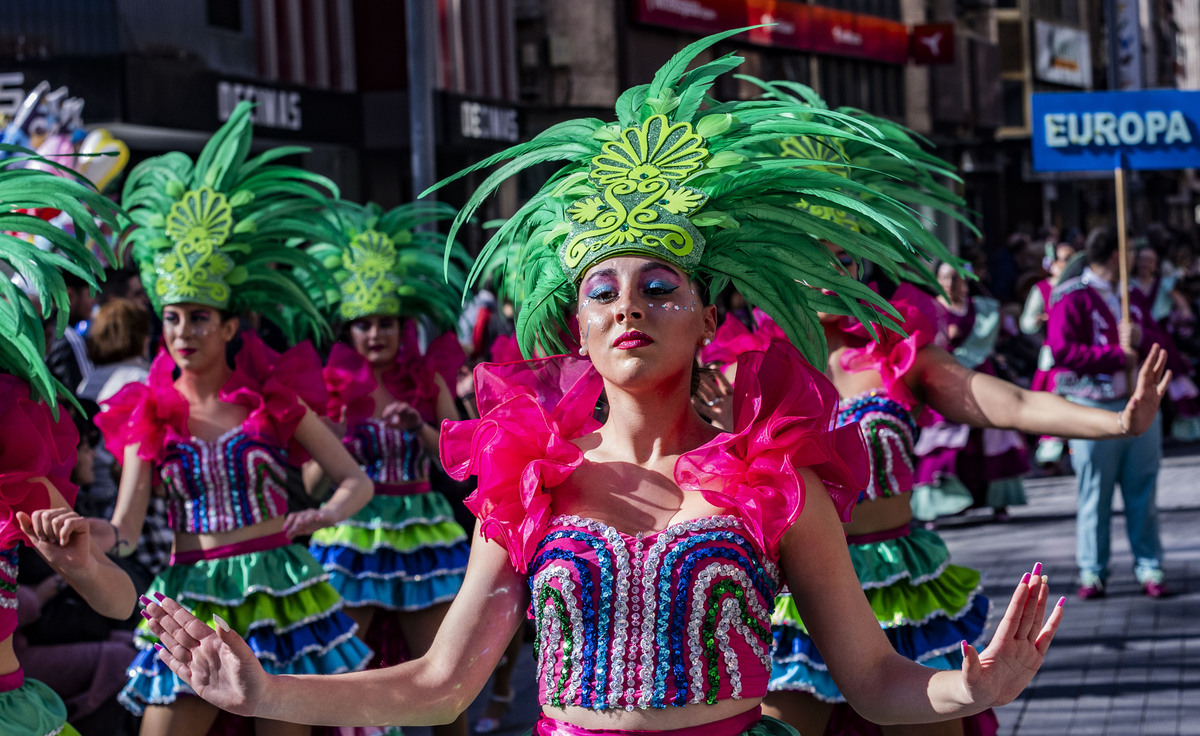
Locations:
223 232
385 263
23 189
701 184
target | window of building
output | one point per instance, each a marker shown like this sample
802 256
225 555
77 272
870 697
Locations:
225 14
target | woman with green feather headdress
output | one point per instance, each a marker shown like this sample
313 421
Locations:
402 557
213 239
38 442
648 548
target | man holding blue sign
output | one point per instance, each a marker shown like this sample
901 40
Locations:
1099 351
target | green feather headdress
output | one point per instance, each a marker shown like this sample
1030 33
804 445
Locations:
223 231
682 177
384 263
915 180
22 339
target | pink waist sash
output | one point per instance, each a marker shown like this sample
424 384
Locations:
882 536
12 680
731 726
258 544
410 488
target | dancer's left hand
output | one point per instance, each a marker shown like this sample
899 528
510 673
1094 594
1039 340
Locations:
402 415
299 523
999 673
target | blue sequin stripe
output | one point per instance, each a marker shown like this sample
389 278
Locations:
599 679
673 644
367 450
196 506
872 403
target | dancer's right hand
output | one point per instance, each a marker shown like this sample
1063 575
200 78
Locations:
218 664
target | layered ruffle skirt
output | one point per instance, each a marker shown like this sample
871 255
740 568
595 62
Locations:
400 553
31 709
925 605
959 467
279 600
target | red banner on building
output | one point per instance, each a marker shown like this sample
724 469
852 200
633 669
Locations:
796 26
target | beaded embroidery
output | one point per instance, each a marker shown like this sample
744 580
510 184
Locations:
8 592
890 432
232 482
672 618
387 454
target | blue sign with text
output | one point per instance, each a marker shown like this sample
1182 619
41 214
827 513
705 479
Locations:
1092 131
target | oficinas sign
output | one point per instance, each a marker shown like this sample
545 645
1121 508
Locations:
1092 131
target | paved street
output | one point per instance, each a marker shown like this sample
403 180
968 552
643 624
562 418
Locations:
1119 666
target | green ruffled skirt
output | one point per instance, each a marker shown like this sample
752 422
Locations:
33 710
278 600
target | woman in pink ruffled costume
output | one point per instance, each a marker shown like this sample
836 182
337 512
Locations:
217 440
38 440
647 548
926 606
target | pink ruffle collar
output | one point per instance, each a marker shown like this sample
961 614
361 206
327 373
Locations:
893 355
532 410
733 339
350 380
276 388
33 445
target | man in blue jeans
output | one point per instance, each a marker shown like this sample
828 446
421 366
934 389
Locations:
1099 353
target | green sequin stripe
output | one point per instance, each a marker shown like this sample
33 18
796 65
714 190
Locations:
568 644
303 606
879 453
412 537
709 632
900 604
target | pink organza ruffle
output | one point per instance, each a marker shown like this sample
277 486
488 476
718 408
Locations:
505 349
784 411
893 354
522 445
532 410
732 339
350 380
145 414
32 445
276 388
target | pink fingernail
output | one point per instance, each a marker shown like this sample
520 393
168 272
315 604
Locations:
963 646
145 601
1037 569
158 647
145 615
162 597
1025 580
1062 602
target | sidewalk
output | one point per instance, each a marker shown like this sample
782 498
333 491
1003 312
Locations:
1124 665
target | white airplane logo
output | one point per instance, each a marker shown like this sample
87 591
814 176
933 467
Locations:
933 41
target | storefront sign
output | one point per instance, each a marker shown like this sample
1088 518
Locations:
488 122
273 108
796 25
1092 131
1063 55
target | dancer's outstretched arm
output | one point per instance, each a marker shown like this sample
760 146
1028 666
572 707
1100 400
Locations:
881 685
434 689
967 397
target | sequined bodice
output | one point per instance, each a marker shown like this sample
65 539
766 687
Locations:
8 592
387 454
670 618
890 432
229 483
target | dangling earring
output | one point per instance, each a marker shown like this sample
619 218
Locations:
582 350
706 341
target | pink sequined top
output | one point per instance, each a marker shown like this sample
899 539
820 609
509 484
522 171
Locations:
238 479
33 445
387 454
662 618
